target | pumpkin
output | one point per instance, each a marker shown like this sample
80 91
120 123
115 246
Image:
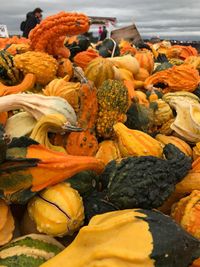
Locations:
141 75
182 145
108 150
113 100
177 78
136 143
65 67
6 223
30 250
82 59
99 70
145 59
27 84
186 213
53 27
85 143
57 211
65 89
141 231
42 65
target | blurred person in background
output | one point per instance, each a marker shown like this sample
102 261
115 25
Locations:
32 19
104 33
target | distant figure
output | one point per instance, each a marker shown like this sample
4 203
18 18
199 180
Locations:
32 19
104 33
100 32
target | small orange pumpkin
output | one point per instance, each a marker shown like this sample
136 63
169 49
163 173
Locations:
145 59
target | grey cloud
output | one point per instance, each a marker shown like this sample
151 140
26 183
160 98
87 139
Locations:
161 17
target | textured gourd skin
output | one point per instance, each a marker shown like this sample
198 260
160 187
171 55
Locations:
41 64
144 238
146 181
145 59
113 101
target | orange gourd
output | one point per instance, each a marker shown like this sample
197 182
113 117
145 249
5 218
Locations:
187 213
3 117
145 59
55 27
65 67
82 59
177 78
85 143
27 84
142 75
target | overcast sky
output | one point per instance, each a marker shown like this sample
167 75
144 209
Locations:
152 17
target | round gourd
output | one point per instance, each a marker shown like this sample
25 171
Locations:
145 59
142 74
57 211
99 70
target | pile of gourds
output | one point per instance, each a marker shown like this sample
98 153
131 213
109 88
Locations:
88 129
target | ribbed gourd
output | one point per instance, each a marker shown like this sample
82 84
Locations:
186 212
99 70
41 64
162 112
113 100
65 89
57 211
30 250
108 150
9 74
7 224
182 145
136 143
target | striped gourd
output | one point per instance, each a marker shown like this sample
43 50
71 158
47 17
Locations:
30 250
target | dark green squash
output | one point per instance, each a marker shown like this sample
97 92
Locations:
146 181
77 44
139 117
106 48
163 66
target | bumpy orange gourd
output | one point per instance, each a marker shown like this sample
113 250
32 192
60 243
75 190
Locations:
187 213
177 78
42 65
85 143
57 26
145 59
181 51
82 59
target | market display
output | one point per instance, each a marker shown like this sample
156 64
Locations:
99 150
